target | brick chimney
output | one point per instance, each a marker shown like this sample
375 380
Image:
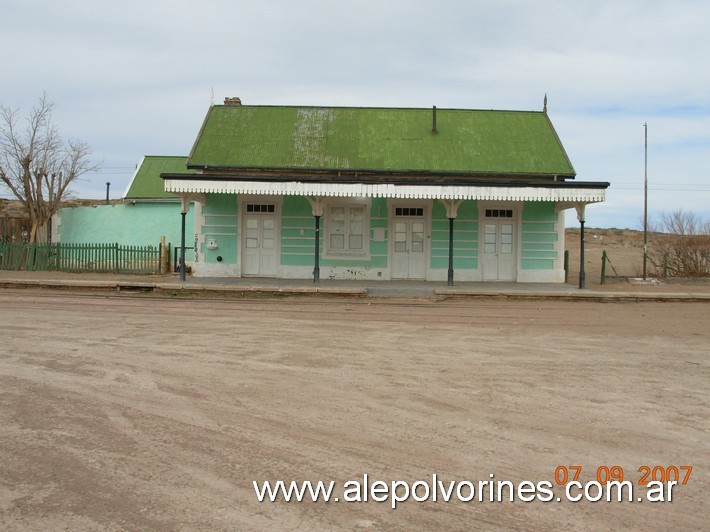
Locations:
232 100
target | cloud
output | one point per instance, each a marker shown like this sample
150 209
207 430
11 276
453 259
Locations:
134 77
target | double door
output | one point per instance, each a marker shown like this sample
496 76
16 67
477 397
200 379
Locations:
498 250
259 249
409 244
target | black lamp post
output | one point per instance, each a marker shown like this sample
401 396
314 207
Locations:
450 275
582 274
182 247
316 267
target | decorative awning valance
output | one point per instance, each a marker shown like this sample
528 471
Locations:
292 188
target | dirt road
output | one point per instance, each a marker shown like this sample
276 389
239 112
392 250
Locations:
146 413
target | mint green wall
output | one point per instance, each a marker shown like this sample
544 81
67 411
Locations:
138 224
539 236
465 236
298 230
298 233
379 251
220 224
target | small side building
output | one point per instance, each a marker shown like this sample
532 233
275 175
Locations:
144 214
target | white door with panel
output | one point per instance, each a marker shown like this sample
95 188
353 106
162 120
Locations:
259 249
499 257
409 243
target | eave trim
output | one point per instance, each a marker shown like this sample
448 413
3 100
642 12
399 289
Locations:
491 193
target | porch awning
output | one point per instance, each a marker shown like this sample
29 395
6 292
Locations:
291 188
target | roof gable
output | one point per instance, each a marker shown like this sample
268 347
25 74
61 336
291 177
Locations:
380 140
146 182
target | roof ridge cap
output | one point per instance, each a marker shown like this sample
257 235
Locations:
373 107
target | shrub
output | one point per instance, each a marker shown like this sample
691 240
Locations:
680 246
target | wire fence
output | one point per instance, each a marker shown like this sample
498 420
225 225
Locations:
620 266
82 258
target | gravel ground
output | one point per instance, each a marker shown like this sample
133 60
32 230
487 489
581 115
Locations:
138 412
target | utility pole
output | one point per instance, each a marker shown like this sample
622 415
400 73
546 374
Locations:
645 198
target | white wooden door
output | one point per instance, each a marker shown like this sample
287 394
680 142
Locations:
409 250
259 250
499 250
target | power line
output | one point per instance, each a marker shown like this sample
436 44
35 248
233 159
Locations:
112 173
662 188
675 184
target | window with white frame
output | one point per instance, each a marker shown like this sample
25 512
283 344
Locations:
347 230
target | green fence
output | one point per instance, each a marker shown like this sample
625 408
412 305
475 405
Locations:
99 258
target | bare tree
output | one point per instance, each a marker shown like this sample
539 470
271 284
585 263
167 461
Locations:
37 165
681 245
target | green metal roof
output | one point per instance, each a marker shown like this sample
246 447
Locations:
147 184
380 140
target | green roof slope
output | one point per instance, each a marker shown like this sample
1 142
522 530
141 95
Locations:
380 139
147 184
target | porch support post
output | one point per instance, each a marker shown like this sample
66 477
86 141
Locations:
580 216
316 254
185 199
450 277
317 210
452 207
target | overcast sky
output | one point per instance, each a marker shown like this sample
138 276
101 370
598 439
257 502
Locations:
135 78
